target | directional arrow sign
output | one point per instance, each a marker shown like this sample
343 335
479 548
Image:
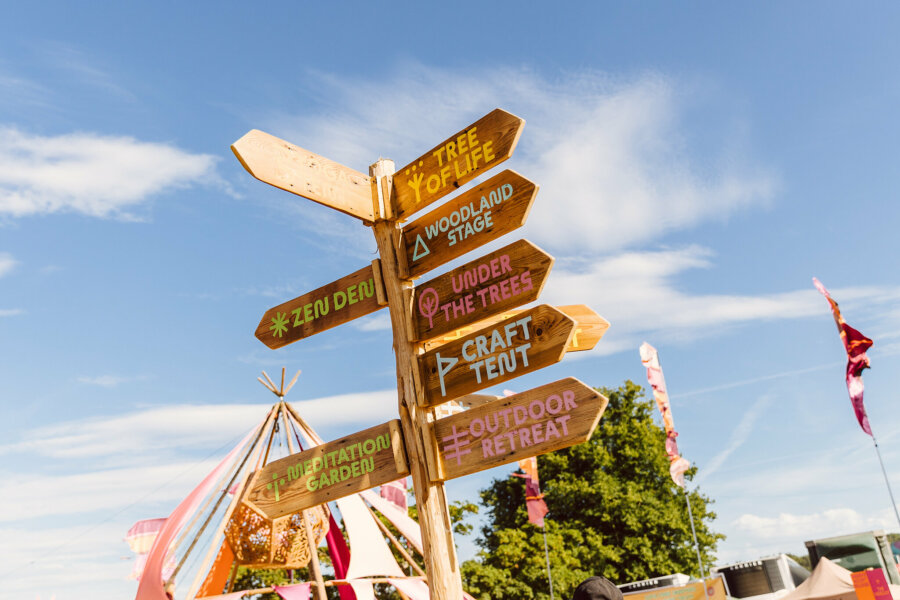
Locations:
547 418
511 276
348 298
346 466
293 169
589 328
482 214
529 341
481 146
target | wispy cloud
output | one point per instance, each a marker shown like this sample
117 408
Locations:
7 263
810 526
738 437
107 381
99 176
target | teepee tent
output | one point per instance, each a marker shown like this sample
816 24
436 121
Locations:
829 581
214 531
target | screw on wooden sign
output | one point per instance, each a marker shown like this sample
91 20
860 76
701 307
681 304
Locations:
531 340
333 470
348 298
293 169
589 328
511 276
550 417
479 147
472 219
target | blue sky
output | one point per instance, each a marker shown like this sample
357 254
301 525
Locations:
698 164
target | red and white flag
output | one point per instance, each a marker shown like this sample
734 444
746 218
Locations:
677 464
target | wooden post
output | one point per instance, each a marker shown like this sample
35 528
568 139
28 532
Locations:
441 564
314 566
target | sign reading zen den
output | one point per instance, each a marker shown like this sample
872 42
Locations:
529 341
547 418
474 218
455 161
492 284
348 298
333 470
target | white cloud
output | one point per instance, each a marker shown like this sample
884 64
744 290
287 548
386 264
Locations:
740 435
100 176
811 526
378 322
107 381
609 154
11 312
184 427
7 263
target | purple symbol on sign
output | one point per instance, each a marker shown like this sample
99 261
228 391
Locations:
428 305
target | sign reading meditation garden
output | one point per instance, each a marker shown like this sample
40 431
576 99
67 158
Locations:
330 471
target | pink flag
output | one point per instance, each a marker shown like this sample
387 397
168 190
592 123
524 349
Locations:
855 344
677 464
395 491
534 499
299 591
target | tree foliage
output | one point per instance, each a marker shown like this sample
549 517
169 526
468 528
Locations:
614 511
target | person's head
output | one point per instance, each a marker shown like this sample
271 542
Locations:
597 588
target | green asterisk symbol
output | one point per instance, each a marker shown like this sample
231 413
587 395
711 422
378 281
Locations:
279 324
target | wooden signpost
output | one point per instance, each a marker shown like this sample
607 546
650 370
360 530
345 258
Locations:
293 169
550 417
333 470
454 334
529 341
511 276
463 156
474 218
348 298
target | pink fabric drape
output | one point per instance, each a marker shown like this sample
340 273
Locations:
417 589
299 591
400 518
340 557
151 585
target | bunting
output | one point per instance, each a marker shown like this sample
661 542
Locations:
677 464
855 344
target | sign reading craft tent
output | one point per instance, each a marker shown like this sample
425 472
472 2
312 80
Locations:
546 418
529 341
330 471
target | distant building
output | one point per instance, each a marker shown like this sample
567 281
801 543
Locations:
763 579
656 582
857 552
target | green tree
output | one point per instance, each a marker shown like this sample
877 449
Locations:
614 511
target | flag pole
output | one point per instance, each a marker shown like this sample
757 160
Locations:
886 480
547 556
694 532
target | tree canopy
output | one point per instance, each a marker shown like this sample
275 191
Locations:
614 511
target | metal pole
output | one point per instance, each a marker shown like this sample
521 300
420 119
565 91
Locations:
886 481
694 533
547 555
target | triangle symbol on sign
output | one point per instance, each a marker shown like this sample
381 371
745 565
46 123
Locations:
417 253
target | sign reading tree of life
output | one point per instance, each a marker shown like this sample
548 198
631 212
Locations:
550 417
472 219
457 160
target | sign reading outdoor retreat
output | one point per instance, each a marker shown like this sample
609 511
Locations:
529 341
547 418
506 278
293 169
472 219
348 298
333 470
455 161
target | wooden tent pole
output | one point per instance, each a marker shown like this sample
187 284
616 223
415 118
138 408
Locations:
201 572
314 565
384 529
441 564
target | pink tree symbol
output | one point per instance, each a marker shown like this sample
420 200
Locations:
428 305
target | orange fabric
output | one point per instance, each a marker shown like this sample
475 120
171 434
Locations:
215 581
